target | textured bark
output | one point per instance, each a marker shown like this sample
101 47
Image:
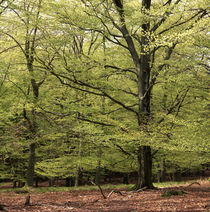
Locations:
144 152
144 168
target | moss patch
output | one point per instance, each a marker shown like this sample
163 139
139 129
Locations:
173 193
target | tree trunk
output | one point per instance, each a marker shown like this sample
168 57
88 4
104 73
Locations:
125 178
77 177
144 178
21 184
51 182
177 176
144 92
98 168
31 164
69 181
163 171
14 184
37 183
78 171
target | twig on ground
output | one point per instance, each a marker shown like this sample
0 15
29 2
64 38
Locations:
193 184
89 203
102 193
139 190
114 191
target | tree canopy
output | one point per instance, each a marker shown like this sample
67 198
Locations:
89 86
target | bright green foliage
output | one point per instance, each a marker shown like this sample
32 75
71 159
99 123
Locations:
89 94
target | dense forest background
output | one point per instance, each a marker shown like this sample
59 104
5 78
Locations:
95 89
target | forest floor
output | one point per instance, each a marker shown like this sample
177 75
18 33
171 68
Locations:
196 197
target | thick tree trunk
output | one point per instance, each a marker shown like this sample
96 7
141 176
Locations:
144 152
143 70
31 164
144 168
142 64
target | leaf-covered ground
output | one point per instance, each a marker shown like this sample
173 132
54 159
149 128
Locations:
196 198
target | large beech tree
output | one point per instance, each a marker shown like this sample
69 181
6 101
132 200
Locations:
145 36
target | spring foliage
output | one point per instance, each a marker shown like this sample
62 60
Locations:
88 98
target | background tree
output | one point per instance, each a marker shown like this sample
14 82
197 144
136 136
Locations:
27 17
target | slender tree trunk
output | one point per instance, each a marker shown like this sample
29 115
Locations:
37 183
51 182
98 168
125 178
77 176
31 164
69 181
78 171
162 171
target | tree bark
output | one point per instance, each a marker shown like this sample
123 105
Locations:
77 176
143 69
78 173
29 52
162 171
125 178
144 178
144 152
98 168
31 164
